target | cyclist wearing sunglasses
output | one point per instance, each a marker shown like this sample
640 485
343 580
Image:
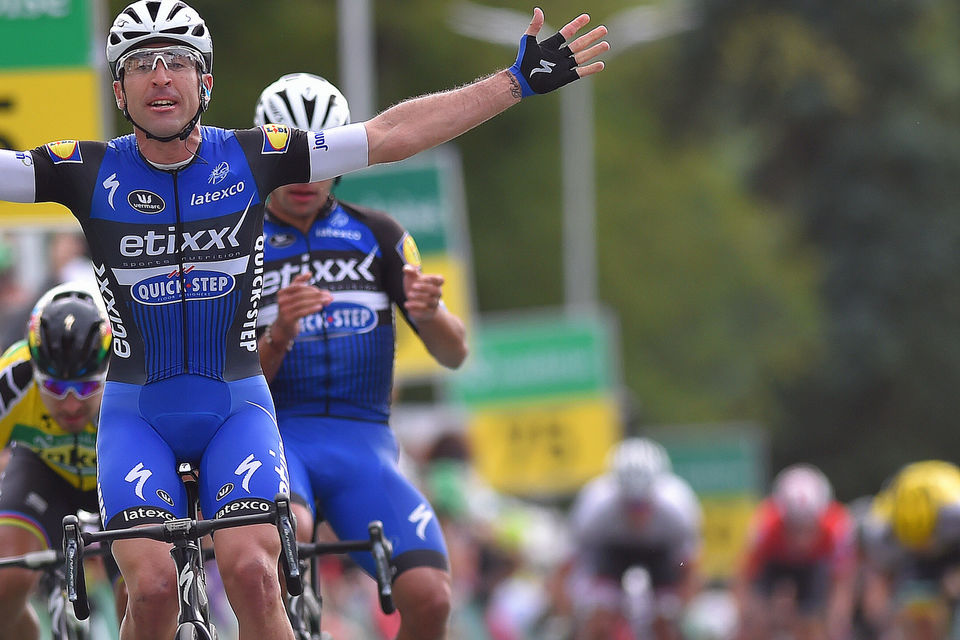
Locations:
50 389
173 215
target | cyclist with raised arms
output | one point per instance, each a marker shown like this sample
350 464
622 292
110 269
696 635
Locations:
50 389
329 360
173 215
636 538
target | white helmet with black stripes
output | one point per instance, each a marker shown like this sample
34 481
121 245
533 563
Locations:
304 101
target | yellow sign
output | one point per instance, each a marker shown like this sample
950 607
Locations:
413 360
726 525
545 447
38 107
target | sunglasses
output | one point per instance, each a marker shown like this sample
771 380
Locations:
59 389
175 59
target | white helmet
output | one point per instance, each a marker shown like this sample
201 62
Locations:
149 21
801 493
304 101
635 463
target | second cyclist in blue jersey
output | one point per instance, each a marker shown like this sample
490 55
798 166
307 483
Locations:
333 273
173 215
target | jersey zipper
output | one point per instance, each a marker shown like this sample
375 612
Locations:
183 281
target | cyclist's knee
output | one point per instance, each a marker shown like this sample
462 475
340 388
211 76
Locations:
248 565
304 521
152 597
16 585
423 597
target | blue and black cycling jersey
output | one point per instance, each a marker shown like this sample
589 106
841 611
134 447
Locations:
179 253
341 363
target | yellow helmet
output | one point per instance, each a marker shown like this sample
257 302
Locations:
917 494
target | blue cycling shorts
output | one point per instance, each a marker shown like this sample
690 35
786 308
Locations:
348 469
226 429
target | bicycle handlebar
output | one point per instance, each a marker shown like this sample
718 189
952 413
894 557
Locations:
174 531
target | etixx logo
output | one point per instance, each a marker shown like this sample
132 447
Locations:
146 201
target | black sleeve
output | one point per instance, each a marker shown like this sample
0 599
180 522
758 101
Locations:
274 168
66 173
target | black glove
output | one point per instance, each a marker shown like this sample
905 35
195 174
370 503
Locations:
544 66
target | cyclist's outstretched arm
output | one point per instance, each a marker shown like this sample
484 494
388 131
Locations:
17 181
421 123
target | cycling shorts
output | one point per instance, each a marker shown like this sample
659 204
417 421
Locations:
226 429
611 561
348 469
811 582
35 498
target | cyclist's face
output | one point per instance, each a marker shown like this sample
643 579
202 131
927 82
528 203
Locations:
162 97
299 203
71 412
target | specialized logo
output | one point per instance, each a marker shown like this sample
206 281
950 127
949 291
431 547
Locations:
407 247
338 319
185 580
146 201
421 516
281 240
139 475
163 495
111 184
276 138
200 284
225 491
64 151
545 67
219 174
213 196
247 469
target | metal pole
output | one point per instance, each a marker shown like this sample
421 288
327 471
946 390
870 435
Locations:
579 200
356 57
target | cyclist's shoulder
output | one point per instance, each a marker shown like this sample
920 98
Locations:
376 219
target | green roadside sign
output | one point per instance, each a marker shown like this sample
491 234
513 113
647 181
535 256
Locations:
45 33
542 356
424 194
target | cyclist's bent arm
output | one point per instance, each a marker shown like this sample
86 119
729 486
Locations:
17 180
418 124
444 337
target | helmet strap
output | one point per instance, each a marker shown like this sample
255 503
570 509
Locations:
185 132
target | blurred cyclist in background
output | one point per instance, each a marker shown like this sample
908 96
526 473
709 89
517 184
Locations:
50 389
333 272
799 568
911 542
636 539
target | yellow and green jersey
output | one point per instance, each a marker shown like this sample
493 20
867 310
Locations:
24 421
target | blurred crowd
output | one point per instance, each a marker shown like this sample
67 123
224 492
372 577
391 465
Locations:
623 559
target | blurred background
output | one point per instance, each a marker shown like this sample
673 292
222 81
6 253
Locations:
740 239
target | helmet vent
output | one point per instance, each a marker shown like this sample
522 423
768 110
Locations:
130 35
133 15
177 30
176 9
154 9
198 31
326 114
286 101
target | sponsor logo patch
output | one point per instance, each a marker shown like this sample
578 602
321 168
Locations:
224 491
249 506
201 284
63 151
338 319
217 175
163 495
407 248
276 138
281 240
146 201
